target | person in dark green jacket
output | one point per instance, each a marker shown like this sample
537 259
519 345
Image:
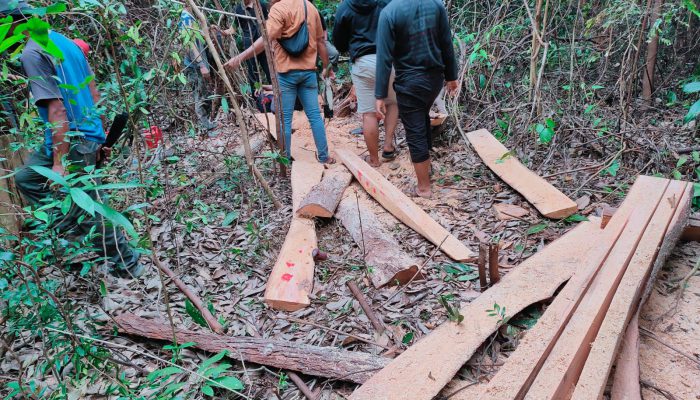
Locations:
414 36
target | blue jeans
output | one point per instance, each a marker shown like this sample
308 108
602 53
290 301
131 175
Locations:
303 84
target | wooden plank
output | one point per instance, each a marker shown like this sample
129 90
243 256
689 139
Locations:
626 381
546 198
668 222
388 263
328 362
323 198
403 208
513 379
425 368
558 375
292 276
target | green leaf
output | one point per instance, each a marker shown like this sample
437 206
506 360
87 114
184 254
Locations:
103 288
173 388
115 186
207 390
224 105
230 383
50 174
693 112
696 156
194 313
407 338
163 373
613 168
681 160
677 175
230 217
82 200
536 229
597 87
482 81
692 87
576 218
116 218
550 123
208 362
467 277
41 216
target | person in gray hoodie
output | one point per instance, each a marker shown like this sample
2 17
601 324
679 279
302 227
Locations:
355 32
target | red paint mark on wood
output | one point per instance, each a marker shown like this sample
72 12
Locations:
290 264
287 277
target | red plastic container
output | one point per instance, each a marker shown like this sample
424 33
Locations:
153 136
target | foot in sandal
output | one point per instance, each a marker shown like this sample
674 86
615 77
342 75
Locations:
374 164
426 194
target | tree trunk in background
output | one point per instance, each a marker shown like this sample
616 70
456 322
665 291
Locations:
535 49
652 50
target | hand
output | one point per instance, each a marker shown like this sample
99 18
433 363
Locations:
233 63
104 154
331 74
381 109
327 72
205 72
59 169
229 31
451 88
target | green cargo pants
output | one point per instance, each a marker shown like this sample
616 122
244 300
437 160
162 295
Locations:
109 241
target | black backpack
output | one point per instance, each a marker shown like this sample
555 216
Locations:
297 43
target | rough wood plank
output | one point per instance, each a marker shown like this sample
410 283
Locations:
323 198
426 367
292 276
626 381
546 198
668 222
389 264
328 362
403 208
559 373
513 379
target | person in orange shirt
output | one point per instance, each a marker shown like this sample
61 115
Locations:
295 21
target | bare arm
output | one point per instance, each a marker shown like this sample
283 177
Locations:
252 51
59 122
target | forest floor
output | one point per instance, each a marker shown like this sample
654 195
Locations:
228 263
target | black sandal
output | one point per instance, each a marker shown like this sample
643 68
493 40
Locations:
390 155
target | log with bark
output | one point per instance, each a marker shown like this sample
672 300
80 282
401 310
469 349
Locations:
323 198
327 362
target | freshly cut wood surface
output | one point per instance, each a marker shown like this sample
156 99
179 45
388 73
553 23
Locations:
668 222
514 379
426 367
328 362
388 263
626 380
402 207
558 375
292 276
546 198
323 198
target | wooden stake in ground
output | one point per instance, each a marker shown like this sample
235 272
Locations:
494 274
292 276
236 107
328 362
481 265
387 264
324 197
425 368
403 208
546 198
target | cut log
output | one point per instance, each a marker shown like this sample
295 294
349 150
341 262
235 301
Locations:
668 222
328 362
403 208
546 198
513 379
426 367
561 370
324 197
292 277
626 381
691 233
388 263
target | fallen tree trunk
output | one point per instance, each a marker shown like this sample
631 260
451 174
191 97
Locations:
327 362
382 253
323 198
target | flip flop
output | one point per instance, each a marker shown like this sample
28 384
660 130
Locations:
390 155
367 160
414 193
357 131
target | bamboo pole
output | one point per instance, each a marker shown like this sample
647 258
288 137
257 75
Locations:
236 107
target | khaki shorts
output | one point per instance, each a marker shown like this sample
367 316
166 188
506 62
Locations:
363 72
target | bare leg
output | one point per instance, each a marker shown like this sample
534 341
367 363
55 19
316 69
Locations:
370 128
423 189
390 121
